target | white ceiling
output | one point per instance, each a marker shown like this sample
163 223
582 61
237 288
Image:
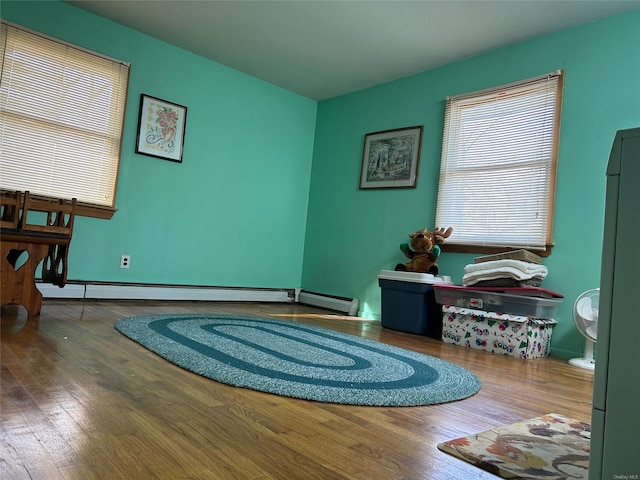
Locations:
323 49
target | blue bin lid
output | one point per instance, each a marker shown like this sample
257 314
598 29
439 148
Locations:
414 277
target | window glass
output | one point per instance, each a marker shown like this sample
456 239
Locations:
61 117
498 166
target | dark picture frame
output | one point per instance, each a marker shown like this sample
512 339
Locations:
161 128
390 158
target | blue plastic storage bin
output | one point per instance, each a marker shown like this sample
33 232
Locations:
409 304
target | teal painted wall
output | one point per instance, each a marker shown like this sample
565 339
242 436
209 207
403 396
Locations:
352 234
233 213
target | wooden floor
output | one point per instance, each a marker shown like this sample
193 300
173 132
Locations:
81 401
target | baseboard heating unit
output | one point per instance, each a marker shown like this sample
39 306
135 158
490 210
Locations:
118 291
104 291
330 302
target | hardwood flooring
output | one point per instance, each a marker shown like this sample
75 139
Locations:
81 401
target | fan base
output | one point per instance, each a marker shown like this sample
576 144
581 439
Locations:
586 363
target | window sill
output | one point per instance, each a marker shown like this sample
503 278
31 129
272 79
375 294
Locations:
84 209
95 211
460 248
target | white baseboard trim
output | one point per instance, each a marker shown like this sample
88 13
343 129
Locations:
339 304
161 292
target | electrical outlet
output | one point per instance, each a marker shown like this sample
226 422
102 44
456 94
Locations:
125 261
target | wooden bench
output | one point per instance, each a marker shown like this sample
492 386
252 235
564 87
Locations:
25 243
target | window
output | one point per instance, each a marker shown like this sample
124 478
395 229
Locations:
61 116
498 166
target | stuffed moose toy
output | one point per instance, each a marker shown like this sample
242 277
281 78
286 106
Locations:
423 250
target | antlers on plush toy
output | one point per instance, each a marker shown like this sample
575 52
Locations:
424 250
442 234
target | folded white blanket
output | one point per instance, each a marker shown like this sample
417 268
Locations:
525 267
506 268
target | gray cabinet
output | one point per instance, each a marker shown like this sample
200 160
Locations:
615 444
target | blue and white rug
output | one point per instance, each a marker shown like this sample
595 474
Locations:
300 361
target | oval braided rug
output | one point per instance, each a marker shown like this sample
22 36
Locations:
300 361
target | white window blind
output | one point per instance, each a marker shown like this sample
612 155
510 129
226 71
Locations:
498 165
61 116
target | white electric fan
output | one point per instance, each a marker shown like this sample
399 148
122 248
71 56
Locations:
585 316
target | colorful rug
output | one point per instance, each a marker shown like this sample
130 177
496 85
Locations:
550 447
301 361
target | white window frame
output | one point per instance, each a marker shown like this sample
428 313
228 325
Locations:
62 113
498 166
